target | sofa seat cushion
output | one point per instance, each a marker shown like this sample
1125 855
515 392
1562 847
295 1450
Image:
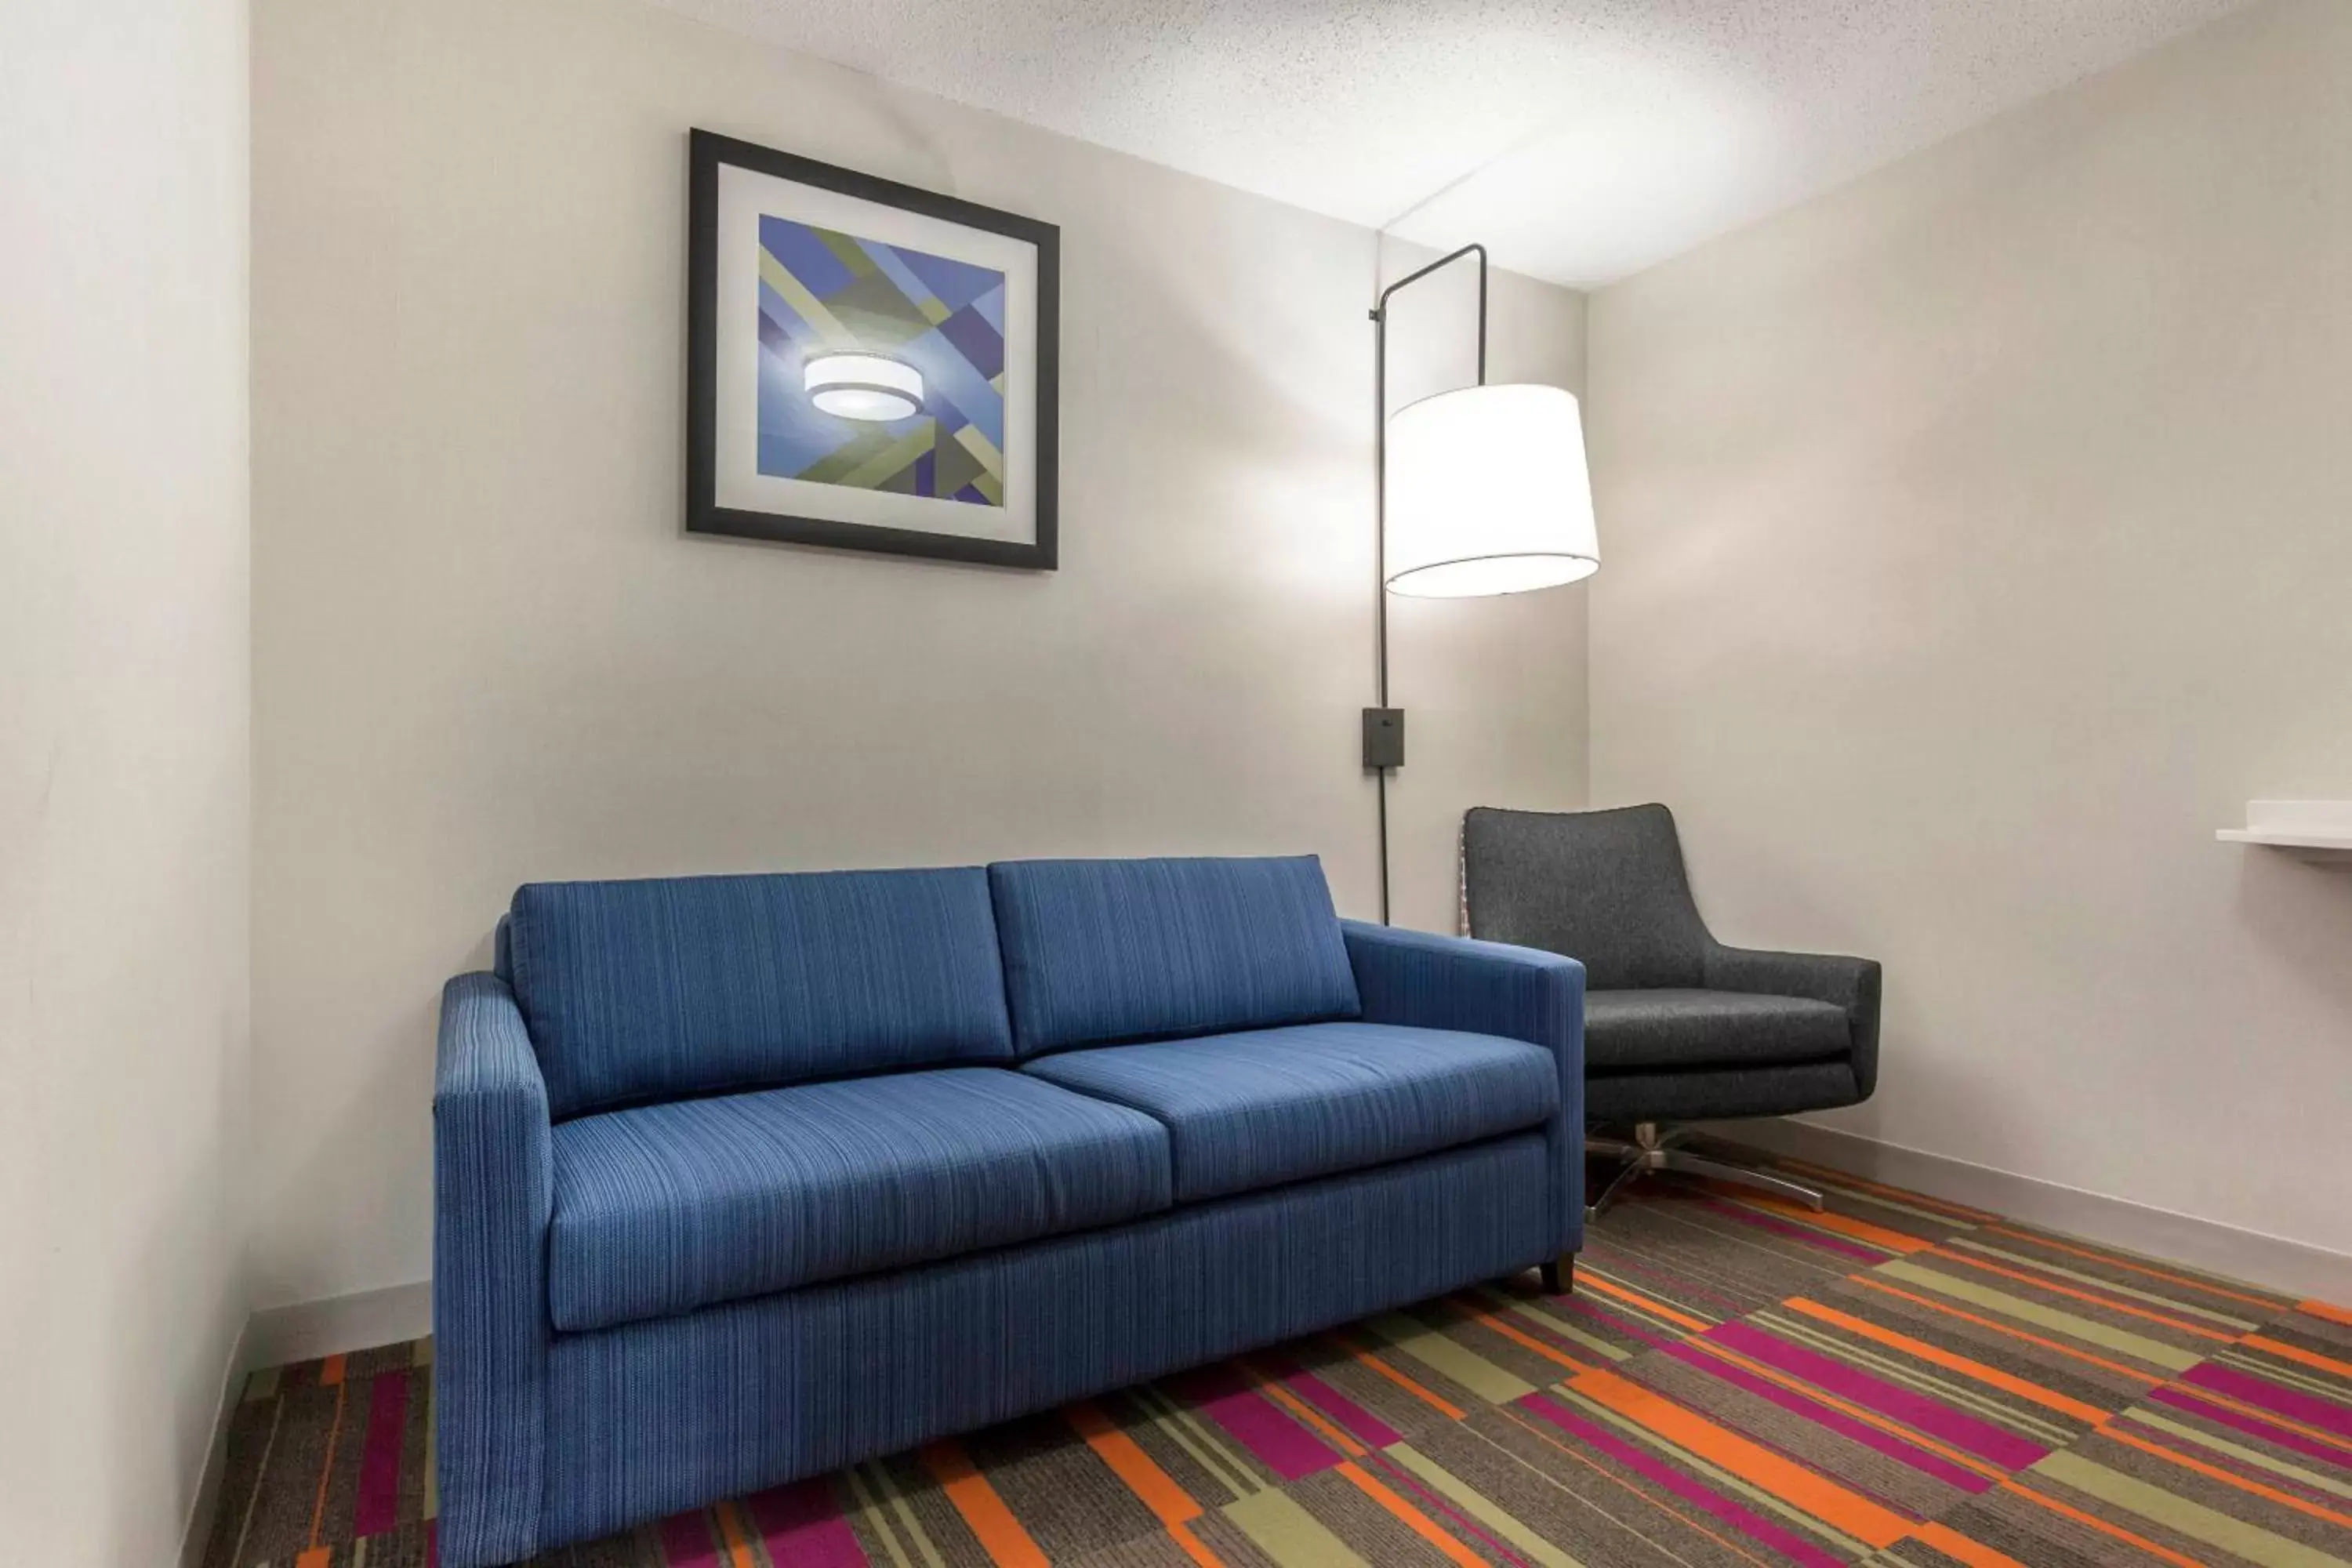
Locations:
664 1208
1258 1109
1673 1030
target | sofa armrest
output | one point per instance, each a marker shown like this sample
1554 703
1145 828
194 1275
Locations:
1489 988
1851 984
493 1193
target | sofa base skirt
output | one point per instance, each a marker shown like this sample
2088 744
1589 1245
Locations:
652 1417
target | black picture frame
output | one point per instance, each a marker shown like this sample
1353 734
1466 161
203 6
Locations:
709 152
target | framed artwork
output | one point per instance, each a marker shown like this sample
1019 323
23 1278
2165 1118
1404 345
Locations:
870 366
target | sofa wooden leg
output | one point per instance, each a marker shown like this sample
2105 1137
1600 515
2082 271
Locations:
1559 1277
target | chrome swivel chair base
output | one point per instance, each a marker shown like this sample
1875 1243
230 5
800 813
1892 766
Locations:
1654 1150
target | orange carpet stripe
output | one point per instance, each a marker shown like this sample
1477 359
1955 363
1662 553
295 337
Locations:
1551 1438
327 1471
2268 1303
2326 1309
1000 1534
1844 1225
2296 1353
1420 1523
739 1544
1917 1439
1337 1436
1900 1194
1960 1549
2230 1478
1951 1361
1372 1363
2093 1297
2151 1379
315 1557
1635 1299
1823 1498
1193 1547
1157 1491
1519 1336
2115 1530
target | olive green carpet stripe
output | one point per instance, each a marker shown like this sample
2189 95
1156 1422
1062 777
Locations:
887 1485
1480 1507
2176 1512
2289 1375
1450 1359
2113 1287
1286 1533
1552 1322
2300 1475
2073 1326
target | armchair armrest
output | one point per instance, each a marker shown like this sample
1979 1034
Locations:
493 1195
1851 984
1488 988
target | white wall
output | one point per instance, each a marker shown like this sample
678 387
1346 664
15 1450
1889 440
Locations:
1979 542
485 654
123 773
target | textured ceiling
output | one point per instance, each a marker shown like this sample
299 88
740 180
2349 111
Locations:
1583 139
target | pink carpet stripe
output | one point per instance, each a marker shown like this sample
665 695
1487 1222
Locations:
378 1508
1753 1525
1582 1307
1357 1422
687 1541
1961 1430
2185 1399
1844 1426
1866 1255
802 1524
1280 1444
2326 1415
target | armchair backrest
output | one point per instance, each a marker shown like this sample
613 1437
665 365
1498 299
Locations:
662 989
1604 887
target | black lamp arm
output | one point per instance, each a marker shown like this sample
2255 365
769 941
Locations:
1384 725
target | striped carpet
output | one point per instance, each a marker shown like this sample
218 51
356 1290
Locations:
1899 1382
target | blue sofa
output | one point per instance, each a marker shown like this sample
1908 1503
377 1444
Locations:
739 1179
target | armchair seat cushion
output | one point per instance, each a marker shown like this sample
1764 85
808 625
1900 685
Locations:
1268 1106
1678 1030
665 1208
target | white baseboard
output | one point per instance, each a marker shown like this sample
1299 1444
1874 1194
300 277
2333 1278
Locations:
199 1527
2295 1268
307 1329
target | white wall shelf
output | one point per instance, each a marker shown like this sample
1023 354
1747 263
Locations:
2319 831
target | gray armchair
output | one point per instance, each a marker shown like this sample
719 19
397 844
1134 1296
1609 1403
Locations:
1677 1026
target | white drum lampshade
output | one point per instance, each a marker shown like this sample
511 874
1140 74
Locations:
1488 493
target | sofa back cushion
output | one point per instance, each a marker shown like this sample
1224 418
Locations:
1098 950
651 990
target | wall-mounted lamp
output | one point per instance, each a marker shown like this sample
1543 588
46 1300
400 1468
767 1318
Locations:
1480 490
863 386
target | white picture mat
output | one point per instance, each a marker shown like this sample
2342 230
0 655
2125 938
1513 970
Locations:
745 196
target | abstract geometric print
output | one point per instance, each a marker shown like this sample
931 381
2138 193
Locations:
824 291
